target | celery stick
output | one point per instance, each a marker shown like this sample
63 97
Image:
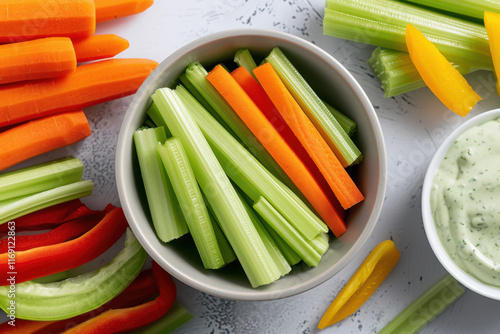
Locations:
175 317
472 8
338 140
236 224
292 237
155 116
244 58
249 174
196 75
291 256
149 123
426 307
167 217
20 206
188 194
383 23
345 122
41 177
224 246
320 243
396 71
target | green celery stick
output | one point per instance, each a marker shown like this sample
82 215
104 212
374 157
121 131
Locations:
292 237
41 177
385 21
149 123
13 208
175 318
244 58
320 243
335 136
248 174
345 122
154 114
188 194
167 217
472 8
224 246
426 307
230 212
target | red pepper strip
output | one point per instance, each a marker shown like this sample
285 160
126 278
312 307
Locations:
61 233
120 320
141 289
48 260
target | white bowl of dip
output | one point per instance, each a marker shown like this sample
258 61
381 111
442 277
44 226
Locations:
461 204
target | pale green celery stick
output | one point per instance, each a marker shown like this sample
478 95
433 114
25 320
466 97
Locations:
175 317
320 243
230 212
167 217
224 246
196 74
188 194
472 8
274 250
345 122
155 116
45 176
292 237
291 256
426 307
52 278
396 71
244 58
383 23
249 174
335 136
20 206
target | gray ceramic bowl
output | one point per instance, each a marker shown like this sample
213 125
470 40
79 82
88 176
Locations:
332 82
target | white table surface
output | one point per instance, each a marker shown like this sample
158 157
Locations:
413 124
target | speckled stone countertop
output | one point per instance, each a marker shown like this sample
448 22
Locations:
414 125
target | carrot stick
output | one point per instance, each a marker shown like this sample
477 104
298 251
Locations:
90 84
40 136
337 177
99 47
264 103
37 59
22 20
276 146
112 9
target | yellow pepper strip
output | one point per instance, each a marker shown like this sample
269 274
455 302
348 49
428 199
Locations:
439 75
362 284
492 24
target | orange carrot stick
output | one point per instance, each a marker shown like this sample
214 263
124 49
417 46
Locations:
264 103
112 9
22 20
99 47
276 146
42 135
37 59
337 177
90 84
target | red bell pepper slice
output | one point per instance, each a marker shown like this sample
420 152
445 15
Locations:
120 320
48 260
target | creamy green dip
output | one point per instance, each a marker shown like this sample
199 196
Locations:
465 202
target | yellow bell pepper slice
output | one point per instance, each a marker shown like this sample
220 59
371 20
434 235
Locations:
439 75
362 284
492 24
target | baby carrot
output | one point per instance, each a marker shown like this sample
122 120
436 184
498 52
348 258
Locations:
99 47
112 9
337 177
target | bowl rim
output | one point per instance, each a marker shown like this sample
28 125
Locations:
458 273
358 92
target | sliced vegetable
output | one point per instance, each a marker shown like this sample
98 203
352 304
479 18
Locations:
224 246
372 272
244 59
219 191
90 84
345 122
22 20
248 174
80 294
175 317
106 10
459 40
440 76
291 256
190 199
166 214
432 303
43 261
38 59
42 135
492 24
44 176
340 182
338 140
96 47
472 8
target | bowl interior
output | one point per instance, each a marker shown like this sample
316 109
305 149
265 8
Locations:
334 84
429 226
